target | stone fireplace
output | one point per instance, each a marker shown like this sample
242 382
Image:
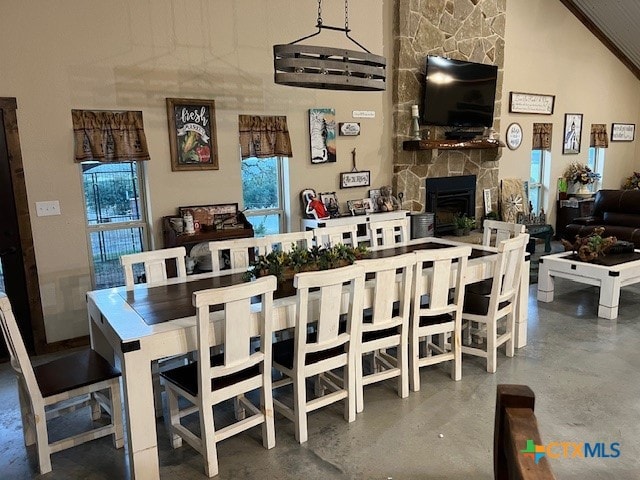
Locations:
450 196
471 30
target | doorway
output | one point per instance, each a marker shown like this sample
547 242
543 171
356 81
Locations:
17 258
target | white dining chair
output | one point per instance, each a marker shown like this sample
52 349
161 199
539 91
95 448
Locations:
284 242
327 348
229 375
154 263
438 295
155 267
240 251
385 327
488 310
335 235
387 233
58 387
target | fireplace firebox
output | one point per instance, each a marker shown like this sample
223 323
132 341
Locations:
448 196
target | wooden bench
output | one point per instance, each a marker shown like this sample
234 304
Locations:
515 423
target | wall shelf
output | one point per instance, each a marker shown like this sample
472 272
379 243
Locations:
451 144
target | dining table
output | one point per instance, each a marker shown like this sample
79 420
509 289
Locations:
133 327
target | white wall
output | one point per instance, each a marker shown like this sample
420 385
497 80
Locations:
549 51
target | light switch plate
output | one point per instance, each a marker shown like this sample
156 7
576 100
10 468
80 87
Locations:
45 209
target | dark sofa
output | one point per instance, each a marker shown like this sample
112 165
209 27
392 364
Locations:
618 211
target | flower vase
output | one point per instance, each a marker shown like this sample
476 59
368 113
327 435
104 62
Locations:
583 191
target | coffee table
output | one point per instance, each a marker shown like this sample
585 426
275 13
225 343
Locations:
610 274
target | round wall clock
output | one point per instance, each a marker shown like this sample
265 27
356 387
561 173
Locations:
514 136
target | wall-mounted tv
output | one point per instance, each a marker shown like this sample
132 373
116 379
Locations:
459 93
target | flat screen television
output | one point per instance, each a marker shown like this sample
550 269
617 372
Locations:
459 93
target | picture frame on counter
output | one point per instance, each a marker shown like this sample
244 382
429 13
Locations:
210 217
192 134
361 178
623 132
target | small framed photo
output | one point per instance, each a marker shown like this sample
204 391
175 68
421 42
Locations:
374 194
367 204
349 129
355 179
356 207
192 134
219 216
486 195
572 133
623 132
330 201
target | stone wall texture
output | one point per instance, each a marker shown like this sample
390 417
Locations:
471 30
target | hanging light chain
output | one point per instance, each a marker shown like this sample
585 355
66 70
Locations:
319 12
346 15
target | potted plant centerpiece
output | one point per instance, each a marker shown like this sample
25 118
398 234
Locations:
284 265
581 176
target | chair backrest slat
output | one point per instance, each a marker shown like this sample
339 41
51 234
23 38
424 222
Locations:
283 242
508 270
437 281
337 234
20 361
239 251
501 230
237 326
327 307
389 232
155 264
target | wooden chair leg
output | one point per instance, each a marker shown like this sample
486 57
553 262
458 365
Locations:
511 320
456 347
300 408
209 449
403 365
414 360
28 418
157 388
350 385
359 384
492 351
116 415
266 406
174 418
42 441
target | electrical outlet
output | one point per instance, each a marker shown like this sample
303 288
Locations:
45 209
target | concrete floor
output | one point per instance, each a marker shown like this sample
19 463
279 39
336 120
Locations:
585 372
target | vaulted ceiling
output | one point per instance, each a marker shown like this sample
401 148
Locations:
615 23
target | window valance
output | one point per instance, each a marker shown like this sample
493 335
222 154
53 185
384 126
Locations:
599 137
264 136
108 136
542 136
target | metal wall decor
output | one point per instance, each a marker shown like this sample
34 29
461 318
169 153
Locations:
328 68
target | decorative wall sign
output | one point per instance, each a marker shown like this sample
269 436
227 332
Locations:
514 136
349 129
355 179
322 134
486 195
623 132
572 133
192 134
531 103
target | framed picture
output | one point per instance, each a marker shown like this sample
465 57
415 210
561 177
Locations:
572 133
373 195
330 201
209 216
356 207
514 136
486 195
192 134
531 103
322 135
623 132
355 179
367 204
349 129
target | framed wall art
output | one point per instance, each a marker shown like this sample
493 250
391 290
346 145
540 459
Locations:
531 103
572 133
322 135
355 179
514 136
623 132
192 134
349 129
374 193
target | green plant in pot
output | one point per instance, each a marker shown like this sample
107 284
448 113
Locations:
463 224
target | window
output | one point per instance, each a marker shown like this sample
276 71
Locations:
596 163
116 217
263 186
539 161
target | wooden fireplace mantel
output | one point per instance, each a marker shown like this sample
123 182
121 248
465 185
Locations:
444 144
